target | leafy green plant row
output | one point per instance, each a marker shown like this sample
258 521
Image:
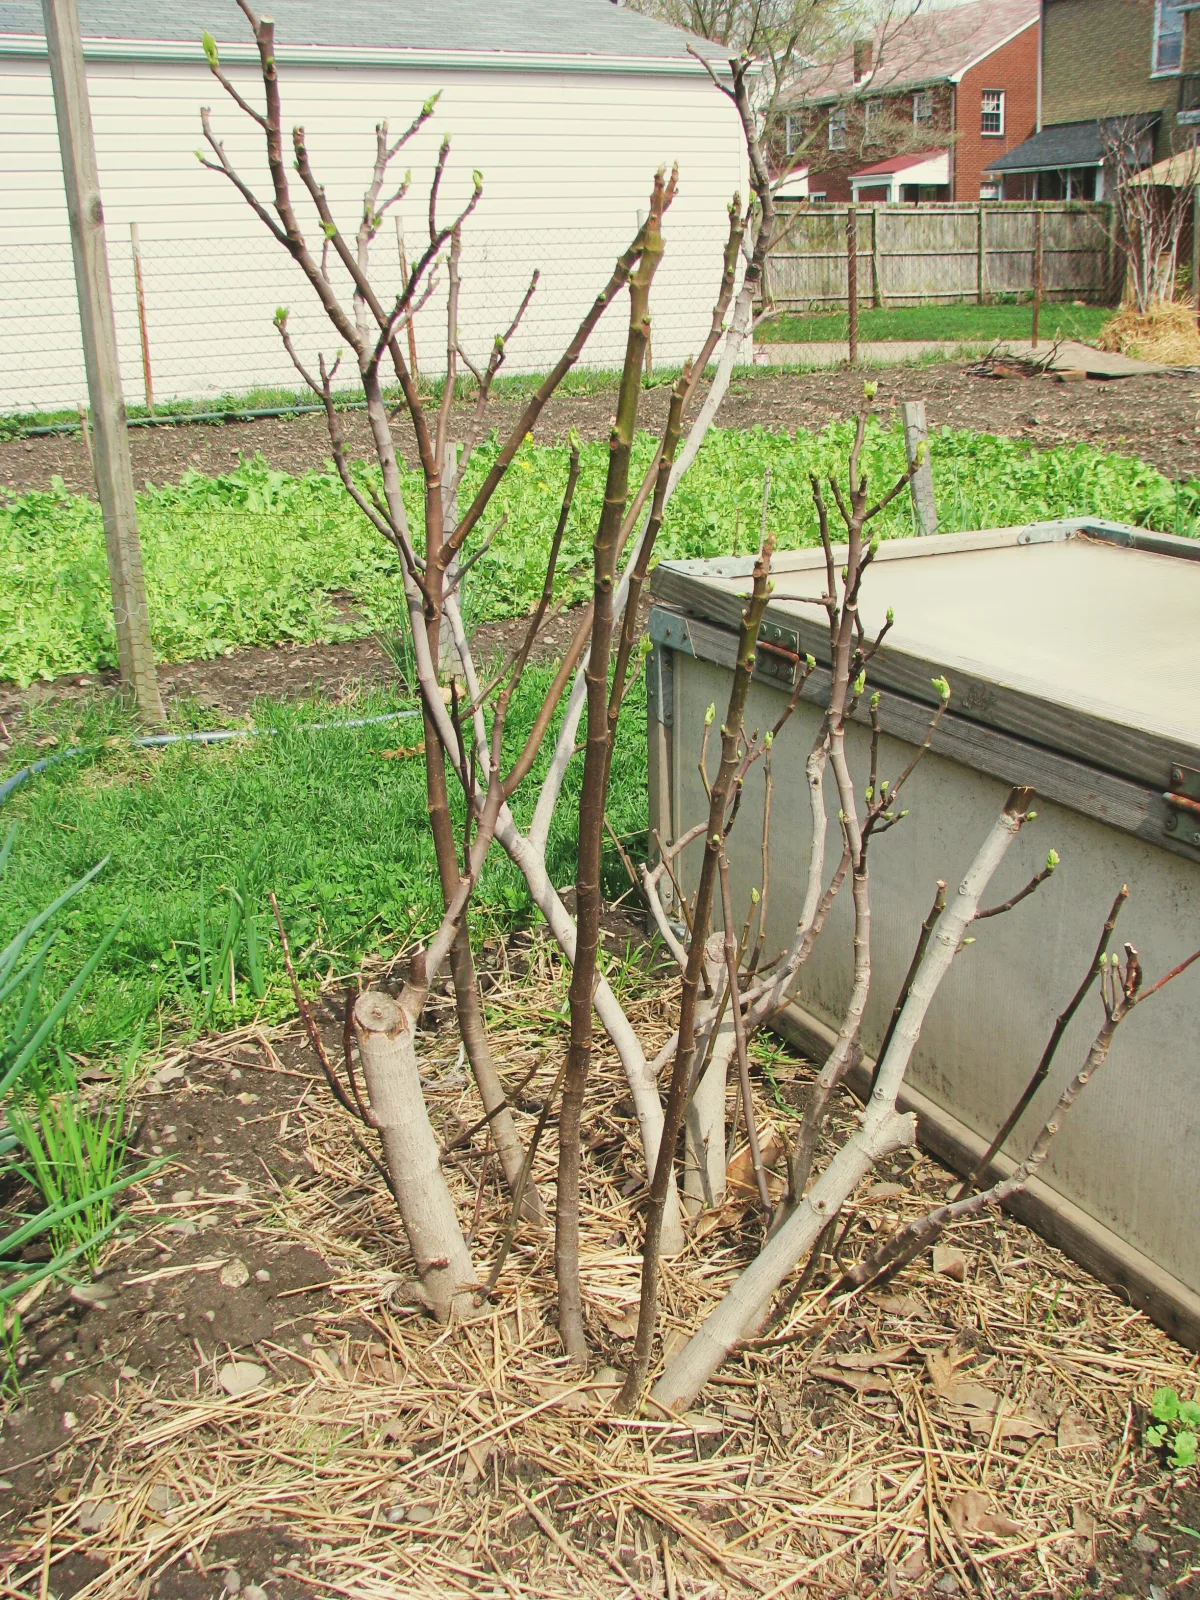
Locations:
257 556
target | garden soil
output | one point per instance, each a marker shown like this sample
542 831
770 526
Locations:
1155 417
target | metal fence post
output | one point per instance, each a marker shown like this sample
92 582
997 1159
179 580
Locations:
114 473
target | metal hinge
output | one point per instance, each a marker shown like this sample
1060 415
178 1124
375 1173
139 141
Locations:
1183 798
778 653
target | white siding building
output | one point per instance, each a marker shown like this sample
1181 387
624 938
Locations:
567 108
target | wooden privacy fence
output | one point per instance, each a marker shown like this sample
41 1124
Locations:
909 253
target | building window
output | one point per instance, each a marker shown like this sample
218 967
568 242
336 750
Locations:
991 120
872 116
923 108
793 133
1168 37
837 128
989 191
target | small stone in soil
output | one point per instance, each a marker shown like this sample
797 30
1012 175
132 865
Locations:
1144 1544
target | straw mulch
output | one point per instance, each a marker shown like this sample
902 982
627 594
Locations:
1165 333
982 1421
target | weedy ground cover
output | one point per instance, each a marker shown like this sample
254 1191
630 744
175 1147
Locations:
965 322
256 556
334 822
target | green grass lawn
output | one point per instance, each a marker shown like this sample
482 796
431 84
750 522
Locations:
258 557
341 834
964 322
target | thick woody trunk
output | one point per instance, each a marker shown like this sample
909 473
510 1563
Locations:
884 1130
386 1037
704 1127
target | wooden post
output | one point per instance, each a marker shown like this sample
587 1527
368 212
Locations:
878 297
852 278
114 474
412 333
1037 273
916 433
86 430
449 666
147 376
981 288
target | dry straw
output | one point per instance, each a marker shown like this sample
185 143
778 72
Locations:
979 1419
1166 332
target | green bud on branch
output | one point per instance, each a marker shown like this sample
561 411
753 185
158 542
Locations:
942 687
709 715
210 49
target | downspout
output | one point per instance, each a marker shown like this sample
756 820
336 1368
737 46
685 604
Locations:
1041 46
953 142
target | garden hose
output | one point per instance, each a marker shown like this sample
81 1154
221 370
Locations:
151 741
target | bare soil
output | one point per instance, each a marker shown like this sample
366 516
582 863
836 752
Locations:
1155 417
126 1470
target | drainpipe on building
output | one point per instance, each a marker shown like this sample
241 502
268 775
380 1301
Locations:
1041 42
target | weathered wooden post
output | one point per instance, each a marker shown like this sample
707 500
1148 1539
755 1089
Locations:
852 278
1037 273
916 434
114 474
147 376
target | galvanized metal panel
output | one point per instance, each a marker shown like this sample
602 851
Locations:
1126 1158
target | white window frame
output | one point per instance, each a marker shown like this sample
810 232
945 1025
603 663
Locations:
1160 6
872 111
998 95
995 190
793 133
837 120
922 98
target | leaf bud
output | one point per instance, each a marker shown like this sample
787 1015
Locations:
478 177
875 701
427 108
1051 860
768 740
281 316
210 49
709 715
860 683
870 390
810 662
942 687
754 897
891 616
1030 816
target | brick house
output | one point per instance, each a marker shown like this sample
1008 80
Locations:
1104 59
919 111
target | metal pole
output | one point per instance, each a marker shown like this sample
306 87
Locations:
147 376
1037 273
852 279
114 474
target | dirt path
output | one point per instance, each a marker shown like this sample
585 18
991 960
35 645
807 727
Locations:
1156 418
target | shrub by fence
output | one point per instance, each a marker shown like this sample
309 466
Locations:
912 253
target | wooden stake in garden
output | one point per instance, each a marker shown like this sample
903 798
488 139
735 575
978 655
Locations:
852 279
114 472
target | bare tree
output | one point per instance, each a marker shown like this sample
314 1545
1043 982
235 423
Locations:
1149 218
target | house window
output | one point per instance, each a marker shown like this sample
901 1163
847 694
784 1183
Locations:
989 191
1168 37
872 117
793 133
837 128
923 107
991 120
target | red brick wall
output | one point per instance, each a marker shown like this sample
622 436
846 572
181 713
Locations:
1012 68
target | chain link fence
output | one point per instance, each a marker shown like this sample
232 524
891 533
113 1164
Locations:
202 325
